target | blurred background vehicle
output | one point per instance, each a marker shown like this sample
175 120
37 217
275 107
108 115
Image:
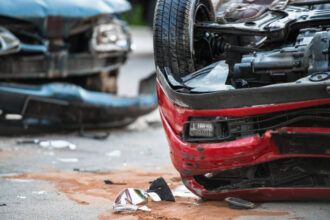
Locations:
68 55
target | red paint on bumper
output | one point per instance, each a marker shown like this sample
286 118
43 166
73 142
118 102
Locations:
192 159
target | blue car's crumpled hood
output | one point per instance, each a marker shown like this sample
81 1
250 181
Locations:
66 8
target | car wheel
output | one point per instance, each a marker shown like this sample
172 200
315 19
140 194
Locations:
149 12
177 46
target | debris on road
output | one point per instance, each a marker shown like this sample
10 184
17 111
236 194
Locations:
3 204
160 187
182 191
129 199
39 192
51 144
125 208
115 153
132 196
236 203
68 160
145 208
84 134
154 196
86 171
109 182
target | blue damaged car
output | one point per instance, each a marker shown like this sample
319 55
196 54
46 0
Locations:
59 64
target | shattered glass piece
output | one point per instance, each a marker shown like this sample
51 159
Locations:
160 187
131 196
236 203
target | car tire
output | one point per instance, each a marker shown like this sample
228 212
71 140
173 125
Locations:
174 34
149 12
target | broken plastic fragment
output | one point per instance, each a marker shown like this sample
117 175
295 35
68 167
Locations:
68 160
131 196
236 203
108 182
182 191
54 144
115 153
145 208
125 208
160 187
154 197
128 199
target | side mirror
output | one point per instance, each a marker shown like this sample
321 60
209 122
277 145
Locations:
8 42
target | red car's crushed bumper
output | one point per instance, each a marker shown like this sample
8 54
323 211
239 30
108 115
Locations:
194 159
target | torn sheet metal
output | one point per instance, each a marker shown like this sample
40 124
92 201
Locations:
72 8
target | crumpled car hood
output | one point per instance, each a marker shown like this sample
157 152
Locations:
66 8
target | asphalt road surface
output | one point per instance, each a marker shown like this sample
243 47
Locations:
48 183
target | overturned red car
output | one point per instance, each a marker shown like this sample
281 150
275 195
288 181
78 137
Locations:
244 96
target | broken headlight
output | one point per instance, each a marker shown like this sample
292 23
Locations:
8 42
110 37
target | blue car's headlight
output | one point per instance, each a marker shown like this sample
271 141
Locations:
110 37
8 42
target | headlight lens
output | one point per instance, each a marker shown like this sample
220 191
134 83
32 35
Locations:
8 42
110 37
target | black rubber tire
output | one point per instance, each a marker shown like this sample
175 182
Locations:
173 34
149 12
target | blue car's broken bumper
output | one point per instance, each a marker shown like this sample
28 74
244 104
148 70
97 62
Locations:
66 106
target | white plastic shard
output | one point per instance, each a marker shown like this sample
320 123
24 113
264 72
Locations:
145 208
57 144
154 197
49 144
182 191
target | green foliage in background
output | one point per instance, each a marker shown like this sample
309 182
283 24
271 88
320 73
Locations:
135 16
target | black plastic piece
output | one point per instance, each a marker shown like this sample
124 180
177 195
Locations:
160 187
302 143
108 182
